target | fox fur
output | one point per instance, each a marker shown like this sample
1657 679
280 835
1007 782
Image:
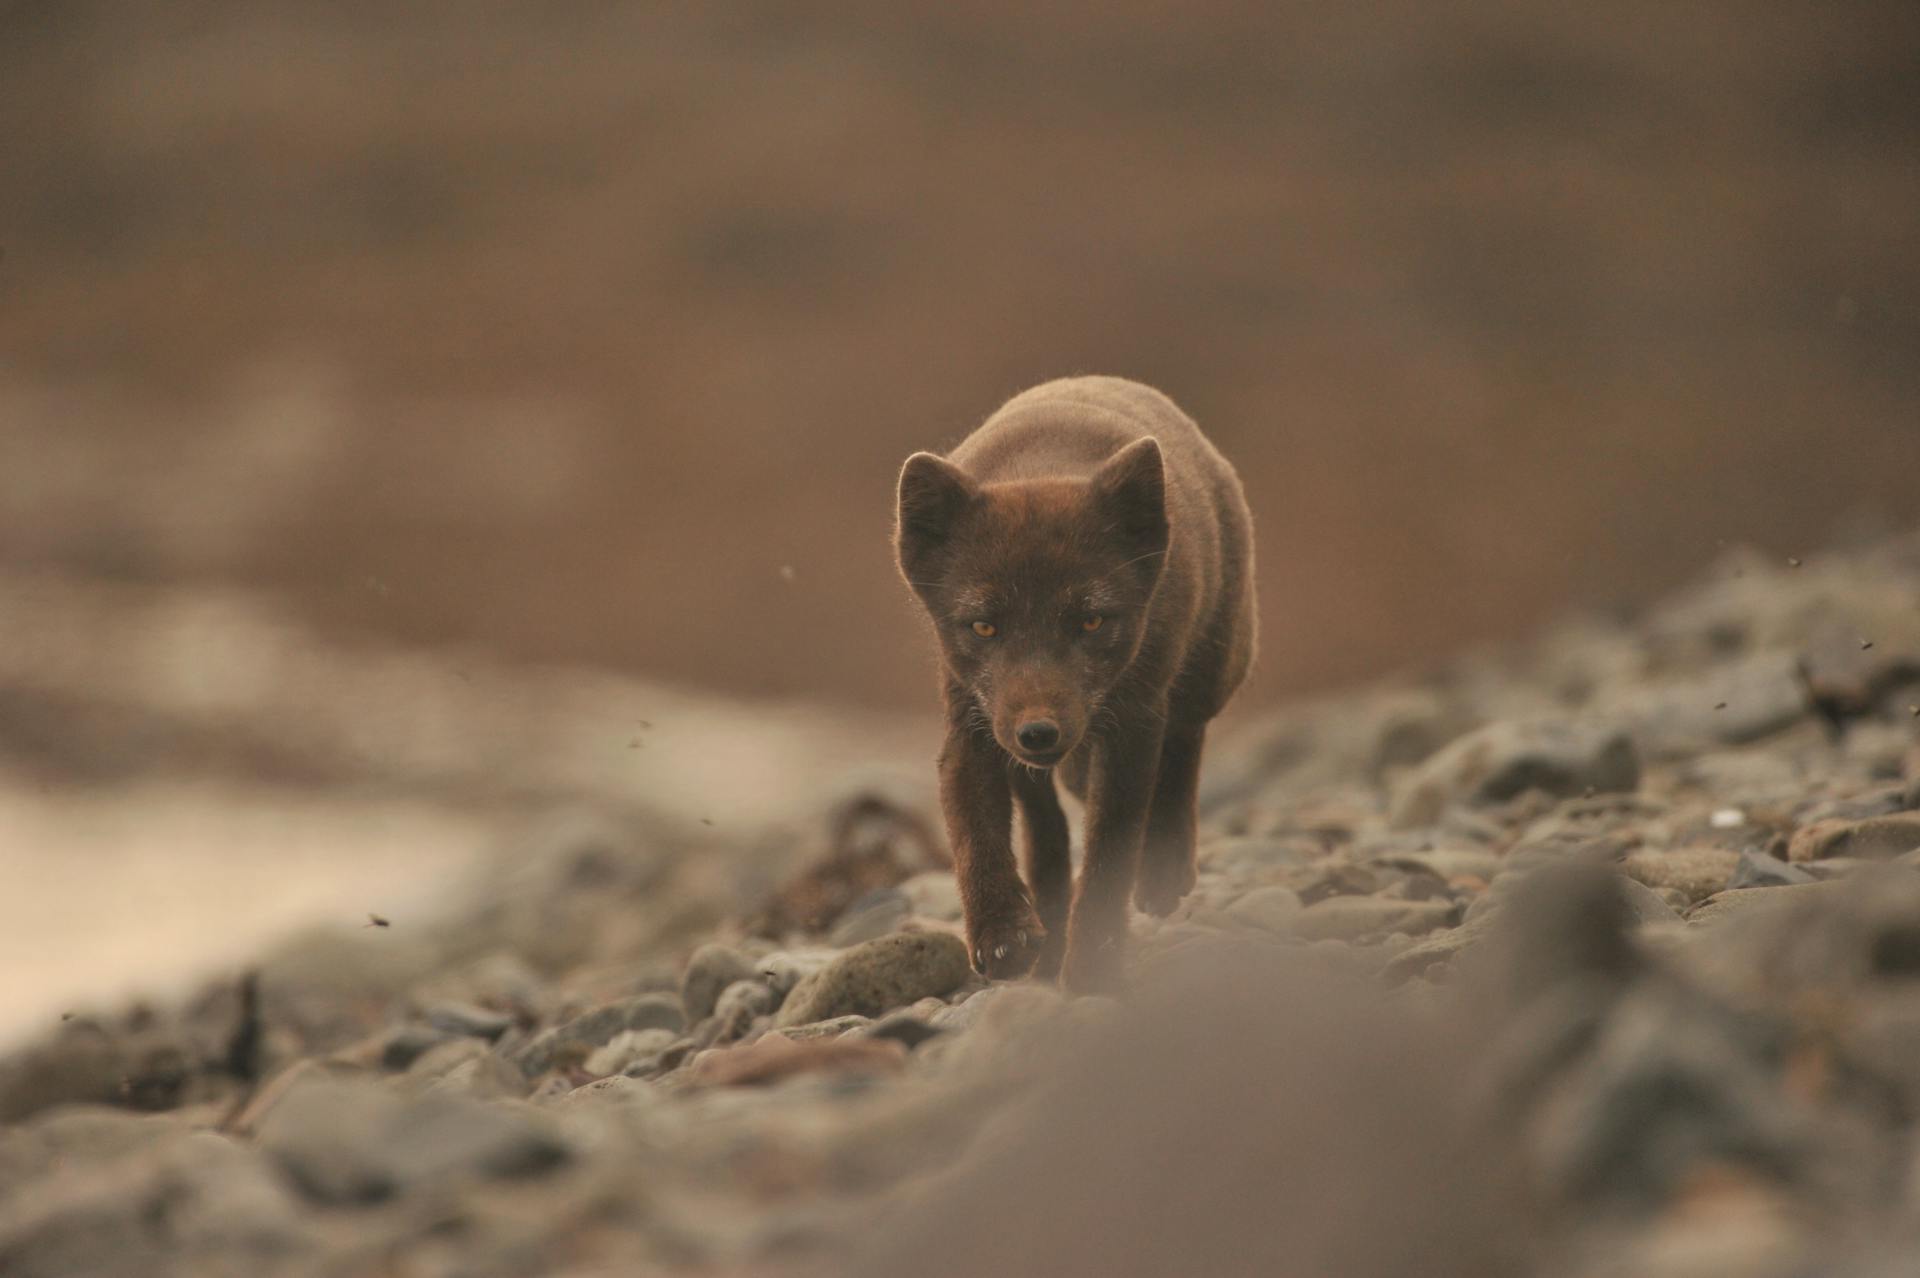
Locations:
1085 558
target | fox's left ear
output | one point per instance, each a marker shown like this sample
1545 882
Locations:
1132 486
933 493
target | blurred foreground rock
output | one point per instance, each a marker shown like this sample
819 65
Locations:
1596 957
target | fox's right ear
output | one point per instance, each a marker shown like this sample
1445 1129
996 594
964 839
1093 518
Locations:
933 493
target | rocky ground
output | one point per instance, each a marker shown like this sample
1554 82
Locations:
1598 956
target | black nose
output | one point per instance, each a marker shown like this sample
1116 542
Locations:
1040 734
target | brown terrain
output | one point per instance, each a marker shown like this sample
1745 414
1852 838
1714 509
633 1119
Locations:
596 332
1589 957
466 758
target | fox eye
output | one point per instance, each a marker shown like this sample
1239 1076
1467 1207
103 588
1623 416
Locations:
1092 622
985 629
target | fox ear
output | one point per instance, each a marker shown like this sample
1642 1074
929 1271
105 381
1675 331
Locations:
1131 485
933 493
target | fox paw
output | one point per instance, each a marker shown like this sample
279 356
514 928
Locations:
1162 886
1092 967
1004 949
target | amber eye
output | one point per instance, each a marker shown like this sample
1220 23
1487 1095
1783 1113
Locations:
1092 622
985 629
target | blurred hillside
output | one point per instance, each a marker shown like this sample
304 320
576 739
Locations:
595 332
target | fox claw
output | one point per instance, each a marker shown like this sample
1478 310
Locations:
1003 954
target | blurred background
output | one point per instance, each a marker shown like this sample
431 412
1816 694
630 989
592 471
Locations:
597 331
357 358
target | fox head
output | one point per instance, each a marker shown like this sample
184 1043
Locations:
1037 588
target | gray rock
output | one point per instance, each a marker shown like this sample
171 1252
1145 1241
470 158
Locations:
1735 903
784 969
934 895
487 1076
1757 869
1647 905
879 976
579 1036
628 1046
408 1043
1747 701
196 1204
740 1005
1254 858
1878 838
1348 917
437 1060
873 915
833 1028
1437 949
710 970
1670 1084
1502 760
1448 864
468 1020
1695 872
350 1143
1272 909
903 1026
77 1134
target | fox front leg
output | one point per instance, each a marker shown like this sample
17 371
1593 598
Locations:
1004 935
1125 765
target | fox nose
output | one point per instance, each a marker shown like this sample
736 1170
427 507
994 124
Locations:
1037 735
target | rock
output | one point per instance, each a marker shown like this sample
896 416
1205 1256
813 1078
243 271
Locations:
1410 725
826 1029
1877 838
1504 759
505 980
873 841
85 1063
437 1060
468 1020
1757 869
1747 701
743 1003
934 895
878 976
487 1076
626 1047
710 970
1647 905
1258 858
350 1143
1846 678
1350 917
1451 865
785 969
77 1134
1272 909
1655 1055
1739 902
1695 872
196 1204
775 1057
873 915
1438 949
903 1027
406 1044
571 1043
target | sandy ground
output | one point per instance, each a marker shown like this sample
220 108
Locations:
145 890
188 775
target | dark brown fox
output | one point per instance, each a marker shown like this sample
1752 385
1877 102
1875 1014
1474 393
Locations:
1086 558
